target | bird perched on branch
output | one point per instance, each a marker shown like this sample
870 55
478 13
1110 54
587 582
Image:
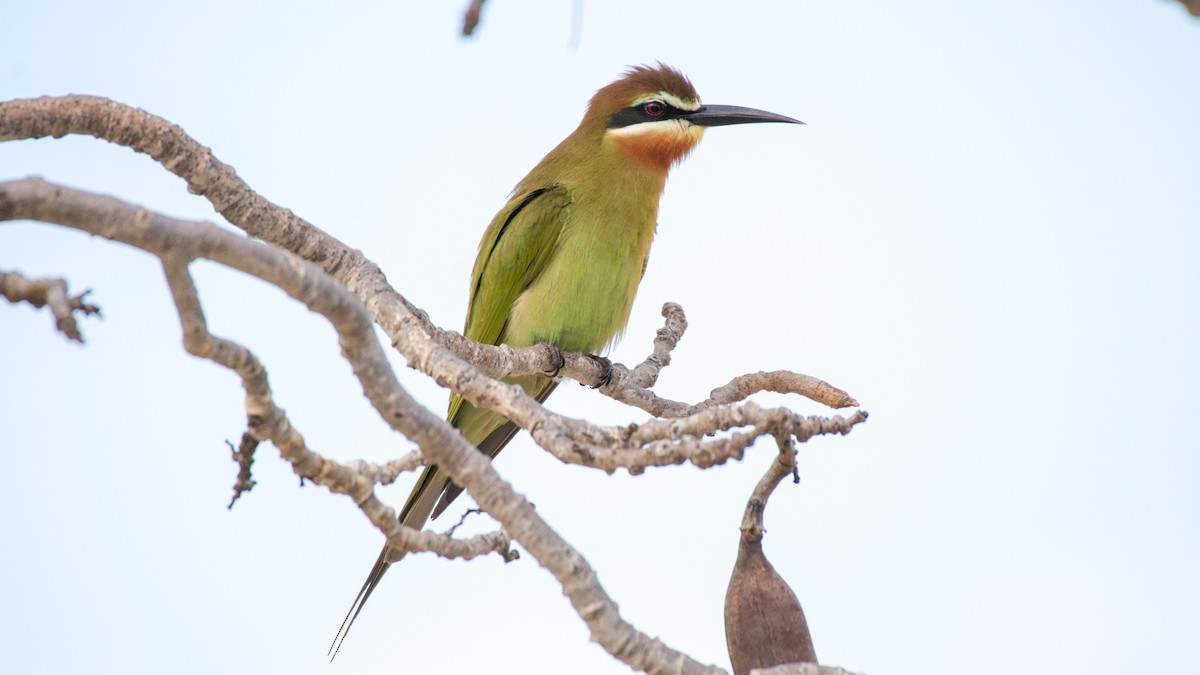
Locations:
561 262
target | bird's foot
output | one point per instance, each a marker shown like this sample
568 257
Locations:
559 358
606 370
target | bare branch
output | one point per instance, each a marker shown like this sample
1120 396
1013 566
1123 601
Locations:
471 17
429 349
387 474
216 181
780 382
243 455
632 387
645 374
655 443
783 465
409 328
268 422
662 442
178 241
452 360
53 292
675 441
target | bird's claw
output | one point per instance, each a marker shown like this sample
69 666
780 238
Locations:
562 361
606 370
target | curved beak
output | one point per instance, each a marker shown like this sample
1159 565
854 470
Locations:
721 115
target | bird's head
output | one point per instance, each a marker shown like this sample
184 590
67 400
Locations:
653 115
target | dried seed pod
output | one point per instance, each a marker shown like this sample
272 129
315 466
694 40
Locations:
764 623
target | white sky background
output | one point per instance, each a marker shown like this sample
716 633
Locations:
987 233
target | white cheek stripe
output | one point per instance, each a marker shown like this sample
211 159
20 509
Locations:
671 99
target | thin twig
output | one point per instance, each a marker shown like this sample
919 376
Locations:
269 422
783 465
53 293
471 17
243 456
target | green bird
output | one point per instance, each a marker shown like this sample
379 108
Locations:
561 262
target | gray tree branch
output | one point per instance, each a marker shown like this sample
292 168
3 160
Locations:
52 293
178 242
355 294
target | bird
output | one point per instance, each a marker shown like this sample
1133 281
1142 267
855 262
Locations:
560 263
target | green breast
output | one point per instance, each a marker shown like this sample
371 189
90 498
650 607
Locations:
582 300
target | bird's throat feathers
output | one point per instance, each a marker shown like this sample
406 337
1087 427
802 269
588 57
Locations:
657 145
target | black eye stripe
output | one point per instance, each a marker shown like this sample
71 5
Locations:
637 114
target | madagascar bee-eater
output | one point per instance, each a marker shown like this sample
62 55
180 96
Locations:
561 262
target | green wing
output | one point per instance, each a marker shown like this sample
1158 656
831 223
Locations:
514 251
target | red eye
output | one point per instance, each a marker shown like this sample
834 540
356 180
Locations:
654 108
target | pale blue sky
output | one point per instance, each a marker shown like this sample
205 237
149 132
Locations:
987 233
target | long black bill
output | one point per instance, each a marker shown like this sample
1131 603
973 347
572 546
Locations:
721 115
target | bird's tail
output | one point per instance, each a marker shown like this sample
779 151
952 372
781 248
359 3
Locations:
414 514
